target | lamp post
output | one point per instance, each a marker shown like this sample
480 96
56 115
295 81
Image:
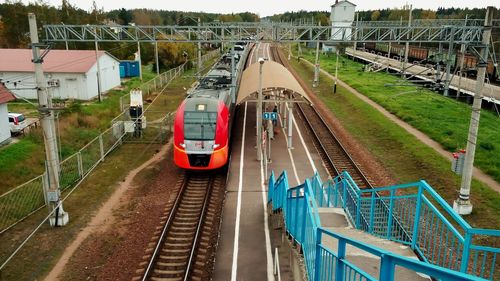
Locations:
259 113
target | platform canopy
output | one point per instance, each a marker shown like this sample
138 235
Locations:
275 77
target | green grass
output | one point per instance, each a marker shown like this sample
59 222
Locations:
443 119
42 251
405 157
77 125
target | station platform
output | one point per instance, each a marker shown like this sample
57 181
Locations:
491 92
250 237
246 249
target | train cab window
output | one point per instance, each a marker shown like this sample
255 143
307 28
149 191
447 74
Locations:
199 125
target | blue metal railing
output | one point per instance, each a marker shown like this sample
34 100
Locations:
389 213
415 215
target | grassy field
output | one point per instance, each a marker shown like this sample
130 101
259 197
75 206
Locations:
78 124
43 250
443 119
403 156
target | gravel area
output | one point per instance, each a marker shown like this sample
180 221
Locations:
115 252
372 169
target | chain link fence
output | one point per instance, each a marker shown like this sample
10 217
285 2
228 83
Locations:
163 79
22 201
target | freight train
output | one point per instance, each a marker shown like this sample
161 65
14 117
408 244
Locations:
202 125
433 56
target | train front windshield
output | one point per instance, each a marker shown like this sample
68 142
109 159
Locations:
199 125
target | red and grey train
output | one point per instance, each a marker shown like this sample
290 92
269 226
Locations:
202 125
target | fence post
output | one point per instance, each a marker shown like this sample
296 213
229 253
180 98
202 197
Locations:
101 146
344 192
317 260
466 251
358 211
416 221
339 266
386 268
372 211
303 232
80 163
329 194
389 223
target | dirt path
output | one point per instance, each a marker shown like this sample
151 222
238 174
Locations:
104 217
477 173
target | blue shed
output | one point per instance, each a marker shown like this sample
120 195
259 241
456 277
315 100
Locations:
129 68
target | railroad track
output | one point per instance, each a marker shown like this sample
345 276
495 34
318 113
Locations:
184 248
335 156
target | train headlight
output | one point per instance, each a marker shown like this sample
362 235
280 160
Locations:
215 146
183 145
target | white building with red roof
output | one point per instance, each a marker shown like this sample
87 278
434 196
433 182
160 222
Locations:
5 97
70 74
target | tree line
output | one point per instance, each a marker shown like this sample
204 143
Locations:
14 29
323 17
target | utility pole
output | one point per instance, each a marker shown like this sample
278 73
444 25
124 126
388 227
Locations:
407 47
316 65
462 51
336 72
52 191
463 205
98 70
199 53
448 64
139 59
356 33
259 113
157 59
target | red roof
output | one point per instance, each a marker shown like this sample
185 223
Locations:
62 61
5 94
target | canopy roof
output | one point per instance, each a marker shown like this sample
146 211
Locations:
274 77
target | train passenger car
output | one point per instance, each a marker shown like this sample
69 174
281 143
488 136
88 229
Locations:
202 125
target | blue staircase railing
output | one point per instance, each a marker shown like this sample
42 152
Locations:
395 213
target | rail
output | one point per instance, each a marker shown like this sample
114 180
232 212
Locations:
188 180
163 235
302 222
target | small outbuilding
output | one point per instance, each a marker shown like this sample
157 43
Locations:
342 15
5 97
70 74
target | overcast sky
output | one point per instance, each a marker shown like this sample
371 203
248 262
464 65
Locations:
269 7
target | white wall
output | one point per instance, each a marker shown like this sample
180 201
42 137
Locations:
341 33
342 12
82 86
4 123
110 75
342 15
71 85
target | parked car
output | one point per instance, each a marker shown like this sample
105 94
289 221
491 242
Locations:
17 122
